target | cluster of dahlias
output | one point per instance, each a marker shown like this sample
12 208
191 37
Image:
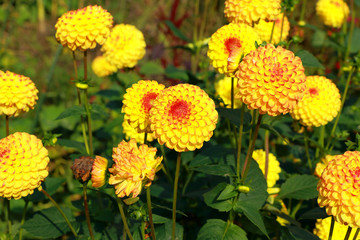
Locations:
122 45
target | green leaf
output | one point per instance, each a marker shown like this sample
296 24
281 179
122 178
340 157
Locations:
175 73
218 170
164 232
49 223
355 43
274 131
315 213
72 111
228 192
211 198
254 216
301 234
98 112
176 31
318 38
300 187
234 115
309 60
72 144
108 93
212 155
157 219
214 229
152 68
51 185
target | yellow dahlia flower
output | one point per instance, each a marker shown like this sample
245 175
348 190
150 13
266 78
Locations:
223 89
23 165
101 67
183 117
98 172
320 166
125 46
339 188
131 132
322 229
249 11
138 101
274 166
264 28
332 12
228 44
83 28
271 80
320 104
134 167
17 93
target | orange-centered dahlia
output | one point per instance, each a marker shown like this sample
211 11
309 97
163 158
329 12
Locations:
101 67
98 172
320 166
264 29
134 167
131 132
17 93
249 11
320 104
332 12
223 89
229 44
339 189
125 46
274 166
271 80
23 165
84 28
138 101
322 229
183 117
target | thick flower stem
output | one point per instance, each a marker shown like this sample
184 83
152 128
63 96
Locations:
272 32
267 133
241 128
176 182
306 142
248 158
348 232
148 198
61 212
7 125
87 108
331 227
356 234
123 218
7 215
87 215
303 8
23 218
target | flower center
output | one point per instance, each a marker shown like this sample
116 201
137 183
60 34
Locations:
147 101
313 91
276 72
355 174
232 44
179 109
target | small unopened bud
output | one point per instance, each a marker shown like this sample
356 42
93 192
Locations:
81 85
82 168
301 23
243 189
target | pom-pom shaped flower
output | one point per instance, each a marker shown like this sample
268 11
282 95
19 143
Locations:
322 229
271 79
84 28
183 117
320 104
223 89
228 44
320 166
339 189
125 46
274 166
332 12
138 101
264 29
131 132
23 165
249 11
101 67
98 172
134 167
17 93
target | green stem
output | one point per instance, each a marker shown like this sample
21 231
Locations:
331 136
148 198
61 212
248 158
348 232
267 133
124 218
142 229
356 234
176 183
321 142
88 116
306 142
303 8
232 92
331 227
272 31
352 24
241 128
23 218
7 125
166 166
75 65
282 24
87 215
296 209
7 215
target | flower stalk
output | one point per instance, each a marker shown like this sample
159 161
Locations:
176 183
123 217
